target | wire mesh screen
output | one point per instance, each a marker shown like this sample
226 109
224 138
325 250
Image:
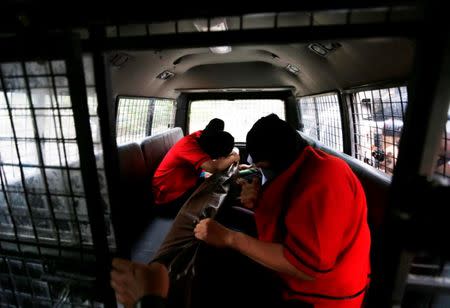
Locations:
43 209
132 118
378 121
141 117
163 115
238 115
309 117
25 283
321 119
443 160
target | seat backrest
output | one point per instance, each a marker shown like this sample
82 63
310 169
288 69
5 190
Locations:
156 147
135 196
375 183
132 163
136 170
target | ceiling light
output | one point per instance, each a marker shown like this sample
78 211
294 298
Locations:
323 49
165 75
220 49
293 69
318 49
217 25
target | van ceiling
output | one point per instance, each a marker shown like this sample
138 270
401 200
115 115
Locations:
355 63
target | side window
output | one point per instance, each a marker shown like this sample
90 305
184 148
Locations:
378 121
321 119
238 115
138 117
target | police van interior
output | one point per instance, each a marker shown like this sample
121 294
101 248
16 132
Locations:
91 99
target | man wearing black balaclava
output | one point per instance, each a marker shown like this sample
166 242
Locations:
311 217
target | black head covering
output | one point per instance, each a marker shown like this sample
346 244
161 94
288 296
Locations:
214 141
217 145
274 140
214 126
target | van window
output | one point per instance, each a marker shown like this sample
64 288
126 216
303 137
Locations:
321 119
378 122
238 115
138 117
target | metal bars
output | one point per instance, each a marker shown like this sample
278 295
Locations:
53 200
378 116
321 119
139 117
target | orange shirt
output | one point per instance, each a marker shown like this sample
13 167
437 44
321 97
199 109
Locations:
179 170
324 229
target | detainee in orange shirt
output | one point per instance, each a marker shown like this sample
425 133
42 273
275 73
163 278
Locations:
178 175
311 218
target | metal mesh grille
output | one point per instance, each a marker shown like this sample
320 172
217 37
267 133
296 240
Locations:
141 117
163 115
132 118
43 211
309 117
41 179
378 121
238 115
321 119
23 283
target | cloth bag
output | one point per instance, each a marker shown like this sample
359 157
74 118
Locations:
179 250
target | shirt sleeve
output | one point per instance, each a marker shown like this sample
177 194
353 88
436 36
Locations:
318 222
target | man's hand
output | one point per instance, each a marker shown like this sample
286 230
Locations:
213 233
220 164
245 166
250 192
131 281
235 156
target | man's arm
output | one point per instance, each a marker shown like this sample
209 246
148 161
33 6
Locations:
268 254
220 164
133 282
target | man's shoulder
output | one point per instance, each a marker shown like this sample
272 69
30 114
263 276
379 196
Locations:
324 164
188 141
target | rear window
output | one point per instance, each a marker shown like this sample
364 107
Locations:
238 115
378 122
321 119
138 117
